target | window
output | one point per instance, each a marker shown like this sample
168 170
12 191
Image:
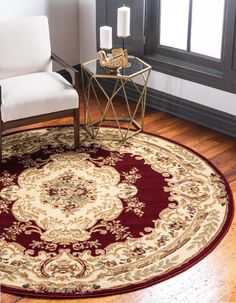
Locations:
193 39
174 33
207 27
196 25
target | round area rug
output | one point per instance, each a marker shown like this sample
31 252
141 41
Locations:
108 219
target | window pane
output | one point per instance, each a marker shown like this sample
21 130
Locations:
207 26
174 23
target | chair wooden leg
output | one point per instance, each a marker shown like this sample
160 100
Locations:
76 128
1 128
0 144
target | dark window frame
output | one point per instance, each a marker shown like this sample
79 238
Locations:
206 70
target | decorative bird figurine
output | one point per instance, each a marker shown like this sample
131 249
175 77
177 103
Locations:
118 59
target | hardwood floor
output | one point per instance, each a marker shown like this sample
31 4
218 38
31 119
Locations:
212 280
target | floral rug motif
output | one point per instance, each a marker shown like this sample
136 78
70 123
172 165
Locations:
110 218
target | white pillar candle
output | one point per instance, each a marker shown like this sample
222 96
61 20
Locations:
106 37
123 22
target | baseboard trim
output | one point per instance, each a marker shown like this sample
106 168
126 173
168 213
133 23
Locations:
194 112
200 114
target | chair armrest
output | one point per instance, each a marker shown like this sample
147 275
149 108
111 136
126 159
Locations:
74 73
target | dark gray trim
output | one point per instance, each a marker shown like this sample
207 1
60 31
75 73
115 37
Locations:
230 42
190 13
101 18
200 114
192 111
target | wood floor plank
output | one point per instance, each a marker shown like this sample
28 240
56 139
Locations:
211 280
34 300
6 298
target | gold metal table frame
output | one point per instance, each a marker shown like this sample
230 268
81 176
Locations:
92 72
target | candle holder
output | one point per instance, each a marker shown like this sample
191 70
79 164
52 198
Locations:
123 41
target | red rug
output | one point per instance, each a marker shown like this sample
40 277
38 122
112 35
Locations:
109 219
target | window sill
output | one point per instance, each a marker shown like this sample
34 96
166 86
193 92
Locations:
191 72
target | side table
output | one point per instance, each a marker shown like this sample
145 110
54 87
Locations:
94 78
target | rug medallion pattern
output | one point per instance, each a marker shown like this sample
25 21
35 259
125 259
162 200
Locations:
106 219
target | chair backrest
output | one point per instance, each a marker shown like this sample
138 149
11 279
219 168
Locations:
24 46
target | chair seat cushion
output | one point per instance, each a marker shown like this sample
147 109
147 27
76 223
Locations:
36 94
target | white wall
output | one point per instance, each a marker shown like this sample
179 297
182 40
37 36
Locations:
64 29
192 91
87 30
16 8
63 22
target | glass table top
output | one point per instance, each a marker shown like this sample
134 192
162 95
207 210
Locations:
136 67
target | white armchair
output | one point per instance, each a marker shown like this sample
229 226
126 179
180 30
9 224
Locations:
30 91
